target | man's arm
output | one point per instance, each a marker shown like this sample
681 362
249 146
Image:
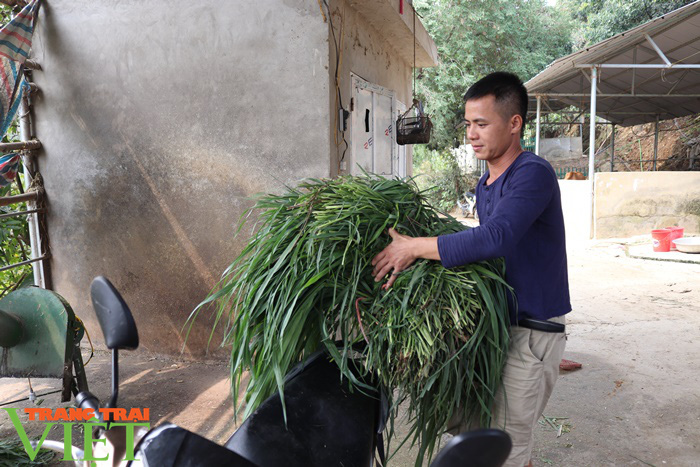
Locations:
401 253
529 191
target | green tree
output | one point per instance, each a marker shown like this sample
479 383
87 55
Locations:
477 37
442 180
601 19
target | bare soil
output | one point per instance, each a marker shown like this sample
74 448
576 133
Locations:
635 328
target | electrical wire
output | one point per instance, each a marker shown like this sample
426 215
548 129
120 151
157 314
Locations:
414 50
27 398
338 94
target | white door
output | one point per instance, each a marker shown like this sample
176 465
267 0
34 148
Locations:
374 147
362 132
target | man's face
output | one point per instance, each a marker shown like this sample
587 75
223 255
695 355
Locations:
488 130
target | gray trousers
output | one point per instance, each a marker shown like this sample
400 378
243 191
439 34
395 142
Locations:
529 376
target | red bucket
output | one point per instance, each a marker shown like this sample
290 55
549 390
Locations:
661 239
676 232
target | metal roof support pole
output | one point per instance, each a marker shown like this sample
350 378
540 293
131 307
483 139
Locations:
646 66
591 145
25 130
605 94
656 140
658 50
634 70
537 125
591 149
612 149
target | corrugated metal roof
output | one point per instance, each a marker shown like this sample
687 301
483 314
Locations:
631 96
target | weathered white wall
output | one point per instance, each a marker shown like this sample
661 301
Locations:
158 120
634 203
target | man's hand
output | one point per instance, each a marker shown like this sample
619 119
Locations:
400 254
397 256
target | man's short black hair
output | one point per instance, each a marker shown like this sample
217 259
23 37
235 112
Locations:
506 88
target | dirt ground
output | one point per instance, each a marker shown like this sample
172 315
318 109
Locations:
635 328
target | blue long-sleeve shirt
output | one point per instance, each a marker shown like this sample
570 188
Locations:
521 219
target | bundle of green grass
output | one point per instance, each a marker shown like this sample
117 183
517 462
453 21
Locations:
13 454
435 340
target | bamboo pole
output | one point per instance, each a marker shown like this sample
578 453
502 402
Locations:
29 196
656 141
20 146
35 237
29 261
21 213
31 64
612 149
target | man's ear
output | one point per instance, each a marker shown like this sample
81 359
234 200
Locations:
516 124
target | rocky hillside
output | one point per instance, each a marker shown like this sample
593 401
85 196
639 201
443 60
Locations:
678 147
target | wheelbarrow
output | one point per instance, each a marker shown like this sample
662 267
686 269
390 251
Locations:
40 338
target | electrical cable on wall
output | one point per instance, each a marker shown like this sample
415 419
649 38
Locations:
338 95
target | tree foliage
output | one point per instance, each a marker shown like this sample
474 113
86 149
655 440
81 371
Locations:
598 20
441 179
477 37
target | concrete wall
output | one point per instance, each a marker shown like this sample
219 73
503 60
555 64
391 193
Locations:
576 206
368 54
158 120
634 203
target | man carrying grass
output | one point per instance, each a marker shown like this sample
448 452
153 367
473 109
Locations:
519 207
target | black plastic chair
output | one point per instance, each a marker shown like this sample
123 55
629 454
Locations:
327 422
479 448
172 446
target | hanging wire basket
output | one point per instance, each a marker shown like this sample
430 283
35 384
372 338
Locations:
413 130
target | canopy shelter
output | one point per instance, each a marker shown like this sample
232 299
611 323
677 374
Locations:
646 74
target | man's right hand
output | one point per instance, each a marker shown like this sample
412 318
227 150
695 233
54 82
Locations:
400 254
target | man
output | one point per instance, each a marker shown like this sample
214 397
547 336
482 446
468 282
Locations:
519 206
